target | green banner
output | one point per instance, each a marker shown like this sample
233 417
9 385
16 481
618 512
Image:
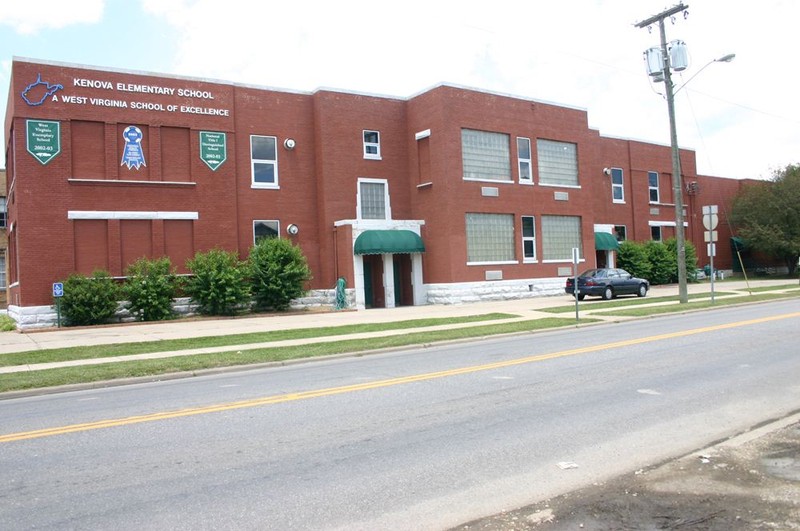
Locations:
213 149
44 140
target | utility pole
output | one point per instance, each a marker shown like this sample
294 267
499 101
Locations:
677 181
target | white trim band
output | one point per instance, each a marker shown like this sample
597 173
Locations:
111 214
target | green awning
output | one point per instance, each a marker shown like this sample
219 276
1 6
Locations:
388 242
604 241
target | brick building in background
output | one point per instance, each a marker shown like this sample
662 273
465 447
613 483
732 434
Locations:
3 239
450 195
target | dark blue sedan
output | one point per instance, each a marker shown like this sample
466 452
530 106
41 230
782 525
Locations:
607 283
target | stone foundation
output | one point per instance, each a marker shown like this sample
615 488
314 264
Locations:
499 290
33 317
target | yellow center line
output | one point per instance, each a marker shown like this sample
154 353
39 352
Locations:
305 395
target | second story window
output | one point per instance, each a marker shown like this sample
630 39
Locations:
652 185
264 161
558 163
372 144
524 157
485 156
373 199
617 186
3 213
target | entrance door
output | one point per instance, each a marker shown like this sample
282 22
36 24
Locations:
602 259
374 296
403 294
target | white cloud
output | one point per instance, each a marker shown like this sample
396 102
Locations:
31 17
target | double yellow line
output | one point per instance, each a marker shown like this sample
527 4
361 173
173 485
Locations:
305 395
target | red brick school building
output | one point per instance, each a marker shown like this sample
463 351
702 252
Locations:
450 195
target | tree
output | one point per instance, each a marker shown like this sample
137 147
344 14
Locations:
766 216
278 272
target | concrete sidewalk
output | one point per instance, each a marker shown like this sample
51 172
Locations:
523 309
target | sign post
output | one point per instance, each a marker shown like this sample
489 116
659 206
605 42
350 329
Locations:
710 221
576 255
58 292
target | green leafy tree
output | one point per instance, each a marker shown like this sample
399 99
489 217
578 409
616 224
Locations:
766 215
218 284
279 271
691 259
150 288
632 257
663 263
89 300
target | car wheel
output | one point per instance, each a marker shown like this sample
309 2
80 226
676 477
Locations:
581 296
608 294
642 290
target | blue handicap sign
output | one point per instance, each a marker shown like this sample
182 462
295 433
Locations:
58 289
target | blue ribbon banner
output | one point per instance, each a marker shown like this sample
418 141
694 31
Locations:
132 153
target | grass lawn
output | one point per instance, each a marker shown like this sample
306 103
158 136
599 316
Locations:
233 357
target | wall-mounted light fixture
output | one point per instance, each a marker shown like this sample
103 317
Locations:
607 171
289 143
292 229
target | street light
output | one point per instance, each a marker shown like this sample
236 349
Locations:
724 59
665 70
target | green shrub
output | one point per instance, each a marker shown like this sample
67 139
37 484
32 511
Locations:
7 324
691 259
278 272
663 263
89 300
632 257
150 288
218 285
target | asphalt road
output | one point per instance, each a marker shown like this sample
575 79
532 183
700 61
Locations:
418 439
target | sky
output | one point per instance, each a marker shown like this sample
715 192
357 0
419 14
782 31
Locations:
742 118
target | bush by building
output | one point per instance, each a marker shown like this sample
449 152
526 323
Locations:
89 300
150 288
218 284
278 273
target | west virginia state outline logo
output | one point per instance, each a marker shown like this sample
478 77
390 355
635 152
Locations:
37 92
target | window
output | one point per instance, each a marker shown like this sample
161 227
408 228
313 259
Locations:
652 184
372 201
528 239
265 229
490 237
621 232
558 163
617 186
524 157
3 212
3 284
485 156
560 234
372 144
655 233
264 161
